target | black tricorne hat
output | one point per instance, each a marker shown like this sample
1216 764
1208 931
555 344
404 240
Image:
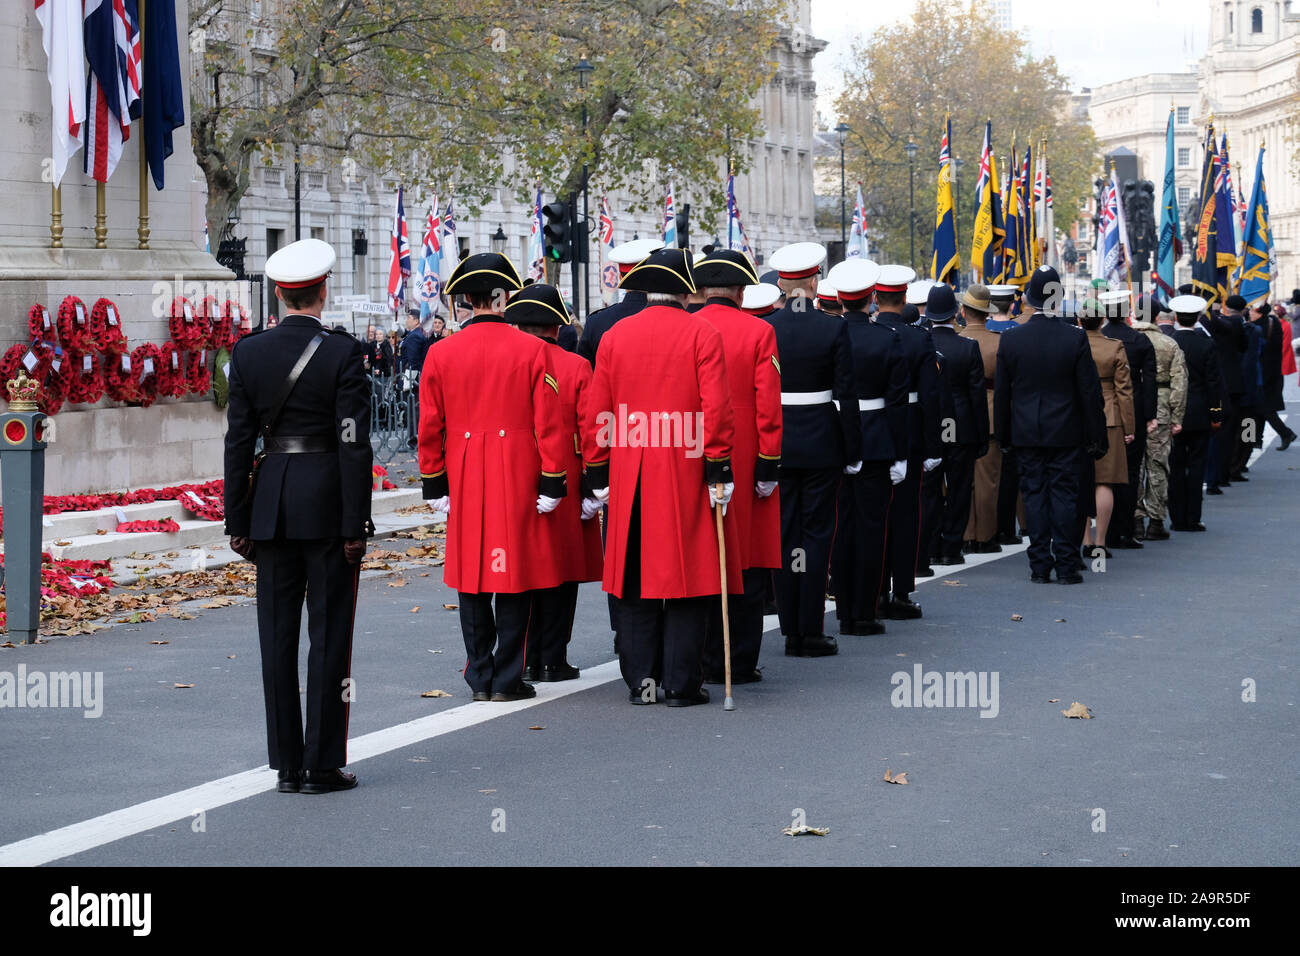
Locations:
483 272
538 304
724 268
664 271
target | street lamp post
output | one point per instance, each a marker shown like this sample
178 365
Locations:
911 149
842 132
583 68
498 241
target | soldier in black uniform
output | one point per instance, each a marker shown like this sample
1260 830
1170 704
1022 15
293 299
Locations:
817 442
963 432
880 377
1204 415
923 446
303 390
1228 330
1141 355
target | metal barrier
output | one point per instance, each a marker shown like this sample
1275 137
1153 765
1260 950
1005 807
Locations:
394 415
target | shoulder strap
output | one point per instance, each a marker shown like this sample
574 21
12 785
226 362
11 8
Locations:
269 426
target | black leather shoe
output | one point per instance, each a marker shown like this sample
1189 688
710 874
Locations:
1128 544
687 699
1286 442
521 692
290 781
1139 528
482 695
952 557
1074 577
532 674
819 646
326 781
867 628
925 571
1156 531
1195 527
1041 578
558 672
634 697
901 609
1214 490
990 546
1007 538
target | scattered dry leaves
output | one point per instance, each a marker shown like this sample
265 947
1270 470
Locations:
435 693
805 830
900 778
181 686
1078 710
1017 617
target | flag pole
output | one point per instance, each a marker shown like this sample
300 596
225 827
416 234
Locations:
101 216
142 226
56 216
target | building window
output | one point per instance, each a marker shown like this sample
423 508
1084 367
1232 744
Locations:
1184 196
1184 115
1257 20
1184 156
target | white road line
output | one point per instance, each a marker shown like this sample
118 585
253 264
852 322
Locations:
88 834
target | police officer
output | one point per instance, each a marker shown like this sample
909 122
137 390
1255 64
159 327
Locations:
1204 416
1171 403
817 442
303 391
880 382
1141 355
924 452
494 456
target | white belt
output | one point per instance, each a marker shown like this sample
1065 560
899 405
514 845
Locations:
871 404
805 398
913 398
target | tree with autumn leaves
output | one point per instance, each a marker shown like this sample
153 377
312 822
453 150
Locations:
483 92
904 79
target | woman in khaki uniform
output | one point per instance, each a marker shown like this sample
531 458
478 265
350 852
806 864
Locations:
1117 393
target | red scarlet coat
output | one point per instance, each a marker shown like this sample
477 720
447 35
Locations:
660 415
1288 353
578 543
754 372
491 434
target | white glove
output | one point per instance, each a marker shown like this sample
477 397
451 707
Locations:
727 489
932 463
897 471
440 506
854 468
764 488
590 508
546 505
601 495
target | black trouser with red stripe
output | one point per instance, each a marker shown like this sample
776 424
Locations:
807 532
860 543
904 533
502 671
550 624
745 615
287 573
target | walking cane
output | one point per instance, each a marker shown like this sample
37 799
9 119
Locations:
728 704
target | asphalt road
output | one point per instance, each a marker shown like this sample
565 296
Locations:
1158 646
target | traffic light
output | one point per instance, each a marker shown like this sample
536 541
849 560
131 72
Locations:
684 227
557 235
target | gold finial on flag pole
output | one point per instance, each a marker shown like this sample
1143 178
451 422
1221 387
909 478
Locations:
101 217
56 216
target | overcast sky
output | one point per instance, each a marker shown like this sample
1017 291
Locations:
1095 42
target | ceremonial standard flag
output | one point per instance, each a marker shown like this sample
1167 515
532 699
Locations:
430 263
112 39
162 91
1170 249
1029 252
605 245
1225 212
63 38
1234 205
1015 260
1049 218
450 244
736 238
1205 255
670 220
536 249
1256 270
1114 266
989 231
399 270
946 258
858 229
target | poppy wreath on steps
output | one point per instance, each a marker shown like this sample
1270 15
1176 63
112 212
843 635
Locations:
166 525
76 325
203 502
40 324
119 377
188 326
171 371
85 379
218 322
144 368
52 372
241 323
108 320
198 376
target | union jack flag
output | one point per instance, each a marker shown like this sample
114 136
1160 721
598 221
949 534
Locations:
670 220
400 268
536 248
430 285
736 238
112 38
608 269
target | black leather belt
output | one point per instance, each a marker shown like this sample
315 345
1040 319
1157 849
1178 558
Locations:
298 444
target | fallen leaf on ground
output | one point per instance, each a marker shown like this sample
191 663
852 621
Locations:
537 727
101 531
230 657
954 584
1053 700
181 686
451 607
1060 620
438 651
424 574
805 830
219 602
896 778
435 693
160 642
1017 617
1077 710
62 544
416 609
487 791
399 583
8 644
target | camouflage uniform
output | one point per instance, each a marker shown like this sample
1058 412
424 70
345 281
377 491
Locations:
1171 402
